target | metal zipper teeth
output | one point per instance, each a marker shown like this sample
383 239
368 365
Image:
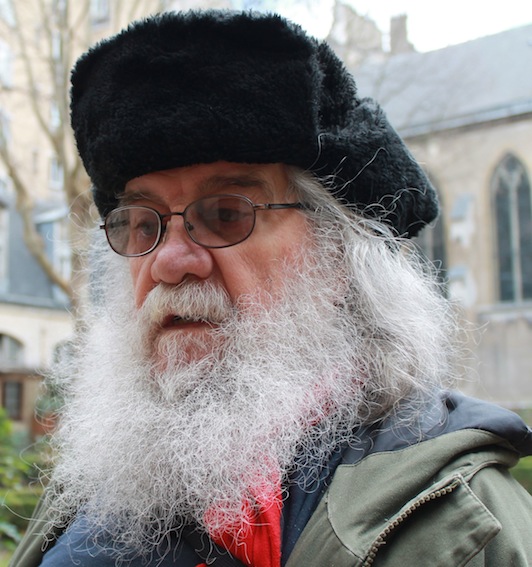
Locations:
381 538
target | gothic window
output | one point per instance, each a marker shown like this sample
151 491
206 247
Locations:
513 218
11 352
432 244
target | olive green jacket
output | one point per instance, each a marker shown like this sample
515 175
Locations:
446 501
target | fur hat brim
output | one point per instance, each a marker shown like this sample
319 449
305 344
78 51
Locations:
180 89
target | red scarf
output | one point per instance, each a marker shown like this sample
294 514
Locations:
258 544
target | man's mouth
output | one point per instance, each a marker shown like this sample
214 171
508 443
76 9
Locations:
173 321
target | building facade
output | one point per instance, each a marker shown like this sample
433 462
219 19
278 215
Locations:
466 114
35 322
45 198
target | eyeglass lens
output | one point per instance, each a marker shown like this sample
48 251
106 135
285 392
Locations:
216 222
220 220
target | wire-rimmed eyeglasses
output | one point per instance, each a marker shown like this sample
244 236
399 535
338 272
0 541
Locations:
215 221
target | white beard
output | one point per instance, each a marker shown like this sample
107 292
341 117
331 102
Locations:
141 444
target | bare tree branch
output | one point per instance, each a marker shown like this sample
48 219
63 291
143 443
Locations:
32 238
46 37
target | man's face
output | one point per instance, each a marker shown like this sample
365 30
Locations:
248 268
224 413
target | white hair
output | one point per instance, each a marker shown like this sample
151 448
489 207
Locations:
358 332
408 328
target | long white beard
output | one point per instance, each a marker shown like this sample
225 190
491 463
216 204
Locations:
143 446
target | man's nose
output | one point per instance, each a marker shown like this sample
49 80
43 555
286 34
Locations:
178 256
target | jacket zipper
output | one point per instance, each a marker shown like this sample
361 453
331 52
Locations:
381 538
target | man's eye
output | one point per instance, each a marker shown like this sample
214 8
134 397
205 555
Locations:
145 227
116 225
226 214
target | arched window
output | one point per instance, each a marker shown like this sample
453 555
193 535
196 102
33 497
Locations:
432 244
11 356
513 217
11 352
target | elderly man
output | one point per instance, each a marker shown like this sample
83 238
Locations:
263 379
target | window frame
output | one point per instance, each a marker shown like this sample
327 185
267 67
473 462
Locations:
14 410
510 184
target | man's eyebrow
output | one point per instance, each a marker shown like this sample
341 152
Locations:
210 185
138 195
244 181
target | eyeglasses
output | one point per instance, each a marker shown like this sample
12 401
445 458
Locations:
216 221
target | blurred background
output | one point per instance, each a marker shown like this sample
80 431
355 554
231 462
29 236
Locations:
455 79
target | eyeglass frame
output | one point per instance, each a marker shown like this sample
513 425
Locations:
162 226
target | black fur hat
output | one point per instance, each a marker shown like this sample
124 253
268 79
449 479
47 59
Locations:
180 89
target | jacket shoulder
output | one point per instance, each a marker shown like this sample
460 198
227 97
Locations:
39 537
445 501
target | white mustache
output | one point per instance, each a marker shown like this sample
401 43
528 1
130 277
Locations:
201 301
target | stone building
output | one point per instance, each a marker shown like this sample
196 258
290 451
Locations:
466 114
34 319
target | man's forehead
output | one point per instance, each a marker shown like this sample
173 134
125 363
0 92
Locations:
268 179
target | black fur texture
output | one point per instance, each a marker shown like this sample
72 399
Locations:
180 89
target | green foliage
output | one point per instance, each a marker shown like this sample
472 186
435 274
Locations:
5 426
16 508
17 471
526 414
523 470
9 534
523 473
12 471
